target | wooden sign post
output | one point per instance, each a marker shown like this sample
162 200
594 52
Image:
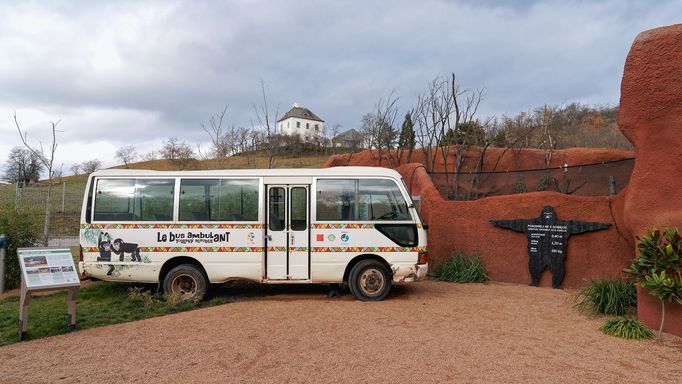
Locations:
45 269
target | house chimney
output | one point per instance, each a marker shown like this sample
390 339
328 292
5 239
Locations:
297 105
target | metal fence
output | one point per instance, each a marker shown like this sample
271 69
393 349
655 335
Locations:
597 179
65 202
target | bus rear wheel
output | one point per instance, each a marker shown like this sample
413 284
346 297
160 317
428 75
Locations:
185 281
369 280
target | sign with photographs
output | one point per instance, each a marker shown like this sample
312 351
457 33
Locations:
47 268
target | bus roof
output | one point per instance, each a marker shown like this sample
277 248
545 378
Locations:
279 172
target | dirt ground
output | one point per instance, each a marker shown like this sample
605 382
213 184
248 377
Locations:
423 332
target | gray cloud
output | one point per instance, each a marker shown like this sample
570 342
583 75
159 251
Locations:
133 71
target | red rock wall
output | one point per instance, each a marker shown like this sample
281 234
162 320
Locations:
650 116
465 225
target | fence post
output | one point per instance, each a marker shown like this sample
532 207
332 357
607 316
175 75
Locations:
17 196
3 251
63 193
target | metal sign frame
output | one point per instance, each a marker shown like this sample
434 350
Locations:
53 260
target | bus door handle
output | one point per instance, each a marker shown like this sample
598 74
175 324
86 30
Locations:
268 237
292 239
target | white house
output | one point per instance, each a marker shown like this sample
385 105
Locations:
302 122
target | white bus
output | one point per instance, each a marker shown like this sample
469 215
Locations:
186 229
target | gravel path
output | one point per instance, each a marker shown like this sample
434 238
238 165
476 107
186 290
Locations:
424 332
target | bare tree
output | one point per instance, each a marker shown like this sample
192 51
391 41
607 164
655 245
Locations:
178 152
23 166
333 132
445 115
151 156
127 154
90 166
378 126
58 173
271 142
75 169
174 149
47 159
220 139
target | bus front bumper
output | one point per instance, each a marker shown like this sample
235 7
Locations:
403 273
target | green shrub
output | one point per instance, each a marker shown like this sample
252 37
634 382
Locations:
461 268
607 296
626 328
658 269
520 185
22 229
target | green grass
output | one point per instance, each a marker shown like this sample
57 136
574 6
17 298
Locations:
609 296
461 268
98 305
626 328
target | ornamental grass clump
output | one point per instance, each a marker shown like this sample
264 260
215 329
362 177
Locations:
627 328
609 296
658 269
461 268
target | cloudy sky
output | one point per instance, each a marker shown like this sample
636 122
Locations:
136 72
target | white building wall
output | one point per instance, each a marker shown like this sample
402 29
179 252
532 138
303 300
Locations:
288 127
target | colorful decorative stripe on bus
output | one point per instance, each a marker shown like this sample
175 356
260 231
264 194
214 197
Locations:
219 226
272 249
172 226
350 226
369 249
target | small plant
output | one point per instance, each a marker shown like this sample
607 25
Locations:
461 268
607 296
216 301
520 185
146 298
627 328
542 184
174 299
659 267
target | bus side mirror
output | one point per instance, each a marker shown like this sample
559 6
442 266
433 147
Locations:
416 203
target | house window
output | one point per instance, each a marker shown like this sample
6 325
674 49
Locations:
307 125
298 124
317 127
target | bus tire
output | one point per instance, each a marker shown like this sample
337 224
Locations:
187 281
370 280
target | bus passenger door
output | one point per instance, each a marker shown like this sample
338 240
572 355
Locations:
299 233
287 233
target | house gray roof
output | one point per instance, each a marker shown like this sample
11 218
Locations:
350 134
301 113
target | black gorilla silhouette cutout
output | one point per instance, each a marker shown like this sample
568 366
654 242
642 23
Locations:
547 241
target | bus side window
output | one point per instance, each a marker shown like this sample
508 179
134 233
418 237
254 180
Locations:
154 199
380 199
336 199
277 209
114 200
218 200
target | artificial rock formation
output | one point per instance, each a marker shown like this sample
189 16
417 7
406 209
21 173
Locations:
650 116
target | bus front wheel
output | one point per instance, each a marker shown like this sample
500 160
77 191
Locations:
370 280
185 281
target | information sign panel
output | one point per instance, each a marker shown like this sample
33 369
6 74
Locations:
47 268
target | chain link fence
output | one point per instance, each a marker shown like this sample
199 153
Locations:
597 179
65 202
